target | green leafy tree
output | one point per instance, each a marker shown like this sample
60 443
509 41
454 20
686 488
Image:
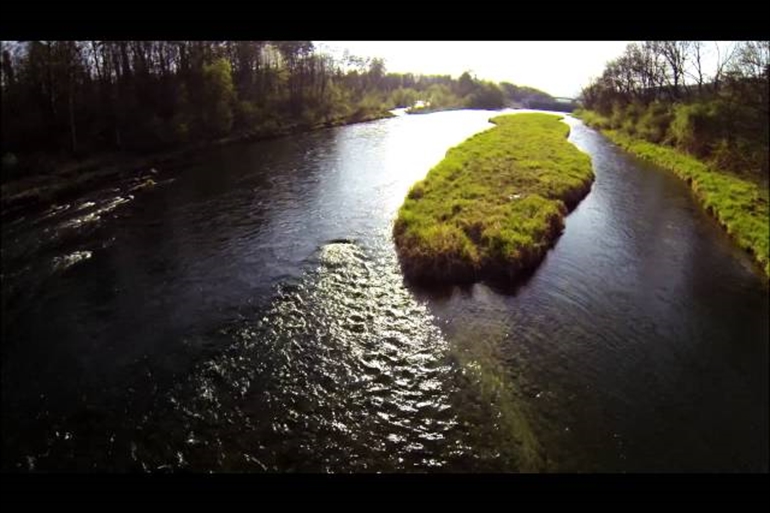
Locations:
218 98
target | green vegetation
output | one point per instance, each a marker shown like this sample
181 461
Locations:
495 204
70 101
471 93
740 205
531 98
75 111
657 102
75 102
659 91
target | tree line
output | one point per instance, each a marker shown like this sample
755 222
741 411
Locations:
65 101
706 98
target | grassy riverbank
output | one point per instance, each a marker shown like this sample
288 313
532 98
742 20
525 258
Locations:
40 190
740 205
495 204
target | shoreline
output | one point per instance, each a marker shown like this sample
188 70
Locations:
36 192
740 206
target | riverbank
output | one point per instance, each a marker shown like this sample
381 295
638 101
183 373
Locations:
39 191
496 203
431 110
739 205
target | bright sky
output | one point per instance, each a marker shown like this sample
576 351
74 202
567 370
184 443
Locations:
560 68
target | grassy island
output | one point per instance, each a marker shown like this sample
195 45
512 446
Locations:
495 204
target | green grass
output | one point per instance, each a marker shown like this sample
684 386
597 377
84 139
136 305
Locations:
592 118
739 205
495 204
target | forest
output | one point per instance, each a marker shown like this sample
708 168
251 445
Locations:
81 103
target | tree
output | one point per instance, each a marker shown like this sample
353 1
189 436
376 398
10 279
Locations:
65 99
219 97
465 84
486 96
647 91
675 55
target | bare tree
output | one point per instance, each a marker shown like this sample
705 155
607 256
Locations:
697 51
674 54
725 56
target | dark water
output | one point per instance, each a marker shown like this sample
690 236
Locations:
249 314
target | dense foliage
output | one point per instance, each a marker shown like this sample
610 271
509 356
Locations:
664 92
64 101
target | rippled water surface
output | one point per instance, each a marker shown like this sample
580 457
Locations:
248 313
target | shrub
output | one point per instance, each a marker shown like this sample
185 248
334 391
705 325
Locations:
654 123
693 126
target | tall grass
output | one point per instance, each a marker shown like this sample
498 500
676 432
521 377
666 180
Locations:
740 205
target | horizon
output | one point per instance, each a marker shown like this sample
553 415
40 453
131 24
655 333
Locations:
572 64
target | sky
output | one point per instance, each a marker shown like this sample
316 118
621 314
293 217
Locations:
560 68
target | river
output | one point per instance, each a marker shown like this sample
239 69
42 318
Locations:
248 313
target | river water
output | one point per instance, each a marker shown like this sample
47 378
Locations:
248 313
